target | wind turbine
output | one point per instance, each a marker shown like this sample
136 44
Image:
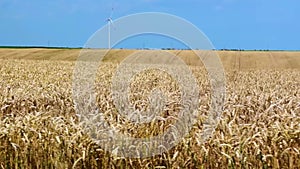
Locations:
109 22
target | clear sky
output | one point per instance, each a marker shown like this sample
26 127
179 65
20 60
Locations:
246 24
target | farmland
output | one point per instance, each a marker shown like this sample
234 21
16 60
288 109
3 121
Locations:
259 127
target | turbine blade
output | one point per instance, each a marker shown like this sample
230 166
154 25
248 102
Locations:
112 24
111 13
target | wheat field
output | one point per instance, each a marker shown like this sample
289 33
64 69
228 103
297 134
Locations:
259 127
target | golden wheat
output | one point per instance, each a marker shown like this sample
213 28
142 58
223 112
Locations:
260 126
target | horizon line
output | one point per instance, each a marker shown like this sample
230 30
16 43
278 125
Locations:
64 47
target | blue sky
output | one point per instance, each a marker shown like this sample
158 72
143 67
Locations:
246 24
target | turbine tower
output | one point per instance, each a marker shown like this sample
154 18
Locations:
109 22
